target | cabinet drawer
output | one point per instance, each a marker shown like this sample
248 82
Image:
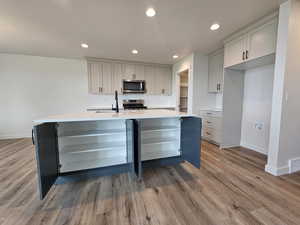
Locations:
212 134
210 113
212 122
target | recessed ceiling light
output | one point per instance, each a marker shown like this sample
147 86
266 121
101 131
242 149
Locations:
150 12
134 51
215 26
175 56
84 45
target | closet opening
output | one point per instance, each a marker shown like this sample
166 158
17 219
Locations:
183 90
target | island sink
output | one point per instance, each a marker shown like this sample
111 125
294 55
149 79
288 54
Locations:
71 147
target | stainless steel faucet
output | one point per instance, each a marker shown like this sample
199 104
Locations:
117 104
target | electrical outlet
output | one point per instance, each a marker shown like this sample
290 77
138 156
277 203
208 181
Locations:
259 126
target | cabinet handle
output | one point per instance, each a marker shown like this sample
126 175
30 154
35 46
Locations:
32 137
100 89
208 133
163 91
247 54
243 55
208 122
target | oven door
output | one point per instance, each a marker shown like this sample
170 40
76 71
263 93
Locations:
134 86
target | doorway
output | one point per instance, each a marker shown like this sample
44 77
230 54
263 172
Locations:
183 90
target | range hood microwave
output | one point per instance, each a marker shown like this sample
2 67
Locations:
134 86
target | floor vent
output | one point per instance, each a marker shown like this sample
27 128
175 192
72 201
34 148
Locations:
294 165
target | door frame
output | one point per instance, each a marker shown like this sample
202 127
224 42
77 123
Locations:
190 89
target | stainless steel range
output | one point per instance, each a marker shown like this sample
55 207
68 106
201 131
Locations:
134 104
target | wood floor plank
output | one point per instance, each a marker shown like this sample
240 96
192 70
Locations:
231 188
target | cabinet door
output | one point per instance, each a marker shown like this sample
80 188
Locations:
220 72
159 85
191 140
150 80
139 72
107 75
118 71
167 80
129 72
163 80
212 74
215 72
46 149
262 41
234 51
95 77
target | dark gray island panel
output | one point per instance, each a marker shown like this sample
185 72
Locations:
191 140
45 139
133 150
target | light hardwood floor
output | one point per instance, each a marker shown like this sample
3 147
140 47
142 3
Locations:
230 188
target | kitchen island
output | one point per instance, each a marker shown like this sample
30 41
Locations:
80 145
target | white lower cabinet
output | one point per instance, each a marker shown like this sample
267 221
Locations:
212 125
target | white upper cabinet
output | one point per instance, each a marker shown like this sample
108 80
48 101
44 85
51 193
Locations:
100 78
167 80
129 72
150 78
235 51
107 76
255 44
95 77
134 72
262 41
118 71
215 72
139 72
163 81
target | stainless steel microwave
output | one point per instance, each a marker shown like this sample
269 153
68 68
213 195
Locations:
134 86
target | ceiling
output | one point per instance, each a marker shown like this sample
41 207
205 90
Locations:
112 28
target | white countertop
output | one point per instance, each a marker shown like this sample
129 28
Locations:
130 114
212 109
149 107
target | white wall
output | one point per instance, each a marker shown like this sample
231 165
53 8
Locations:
185 63
290 121
32 87
257 104
199 98
284 139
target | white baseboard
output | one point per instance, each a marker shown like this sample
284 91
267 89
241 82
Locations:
228 146
254 148
14 136
277 171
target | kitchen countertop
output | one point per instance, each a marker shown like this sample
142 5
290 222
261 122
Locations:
90 108
212 109
128 114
